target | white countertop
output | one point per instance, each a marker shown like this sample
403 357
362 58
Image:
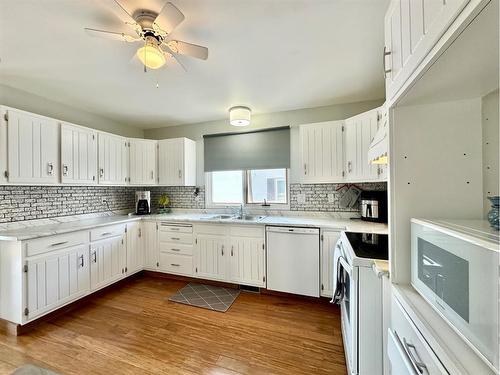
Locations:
28 230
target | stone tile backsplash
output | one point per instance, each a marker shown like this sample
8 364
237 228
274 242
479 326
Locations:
325 197
37 202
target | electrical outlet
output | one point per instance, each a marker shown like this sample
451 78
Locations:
301 198
331 198
103 200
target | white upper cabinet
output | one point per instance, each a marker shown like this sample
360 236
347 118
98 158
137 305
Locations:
78 154
359 133
33 148
143 169
412 28
321 152
113 159
177 162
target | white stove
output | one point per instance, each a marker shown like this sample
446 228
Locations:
361 303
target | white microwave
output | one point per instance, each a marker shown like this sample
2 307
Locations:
455 267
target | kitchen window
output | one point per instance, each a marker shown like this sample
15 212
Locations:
253 187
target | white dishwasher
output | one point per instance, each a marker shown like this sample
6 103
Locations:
293 260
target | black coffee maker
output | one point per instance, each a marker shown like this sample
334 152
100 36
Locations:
142 202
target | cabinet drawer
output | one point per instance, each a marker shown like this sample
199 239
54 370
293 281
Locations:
415 349
46 244
107 232
182 264
175 238
168 227
176 248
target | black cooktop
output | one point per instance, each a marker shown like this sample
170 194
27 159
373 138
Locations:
369 245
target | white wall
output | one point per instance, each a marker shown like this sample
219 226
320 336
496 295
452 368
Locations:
26 101
491 150
286 118
436 170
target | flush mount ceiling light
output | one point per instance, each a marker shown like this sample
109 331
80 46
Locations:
239 116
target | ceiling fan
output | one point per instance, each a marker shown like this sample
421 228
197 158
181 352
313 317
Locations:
153 30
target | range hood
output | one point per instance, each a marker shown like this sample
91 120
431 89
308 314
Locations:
377 152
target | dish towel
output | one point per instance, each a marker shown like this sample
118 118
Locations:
338 275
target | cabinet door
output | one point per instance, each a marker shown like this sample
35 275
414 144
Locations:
322 152
352 127
113 160
412 28
107 261
150 245
171 162
33 148
55 279
328 242
142 162
78 155
210 256
135 250
247 261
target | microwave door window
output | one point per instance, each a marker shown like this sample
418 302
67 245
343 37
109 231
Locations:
447 275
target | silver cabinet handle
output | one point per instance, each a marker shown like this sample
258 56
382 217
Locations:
140 232
59 243
152 175
386 53
349 166
180 173
175 264
175 249
175 238
174 228
232 252
222 250
101 172
50 169
410 348
65 170
305 168
94 256
106 233
81 260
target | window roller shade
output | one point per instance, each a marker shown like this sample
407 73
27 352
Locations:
264 149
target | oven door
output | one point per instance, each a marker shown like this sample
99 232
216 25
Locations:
349 315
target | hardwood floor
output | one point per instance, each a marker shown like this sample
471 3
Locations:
136 330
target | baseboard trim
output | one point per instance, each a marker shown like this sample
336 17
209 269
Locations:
189 279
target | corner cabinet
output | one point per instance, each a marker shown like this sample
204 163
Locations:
78 155
177 162
113 159
412 28
321 152
33 148
359 133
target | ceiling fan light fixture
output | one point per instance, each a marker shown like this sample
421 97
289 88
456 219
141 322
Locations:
151 56
239 116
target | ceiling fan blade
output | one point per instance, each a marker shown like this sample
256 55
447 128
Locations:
169 18
170 54
188 49
121 12
113 35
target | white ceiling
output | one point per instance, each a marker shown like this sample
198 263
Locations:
271 55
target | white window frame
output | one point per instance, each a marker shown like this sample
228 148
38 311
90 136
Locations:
252 206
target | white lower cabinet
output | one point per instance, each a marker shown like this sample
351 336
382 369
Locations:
210 256
56 278
135 248
149 241
328 241
107 261
175 242
247 256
